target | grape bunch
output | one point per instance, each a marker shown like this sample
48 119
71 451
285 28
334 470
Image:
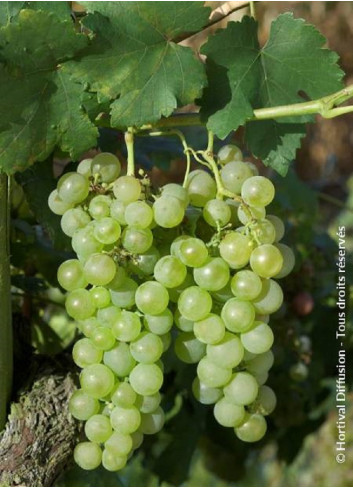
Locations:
192 265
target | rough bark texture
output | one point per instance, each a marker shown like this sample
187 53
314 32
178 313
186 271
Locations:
40 433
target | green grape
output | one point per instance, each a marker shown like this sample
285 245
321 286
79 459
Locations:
144 264
213 275
224 294
74 219
264 231
266 260
159 324
98 428
151 298
99 207
201 188
210 329
107 230
252 429
119 360
97 380
170 271
175 246
146 379
278 224
124 395
84 243
148 404
79 304
117 211
168 211
87 455
270 298
137 439
119 443
127 189
125 420
126 326
194 303
107 315
298 372
103 338
216 213
84 167
261 377
228 414
87 326
288 260
246 285
188 348
211 374
228 153
175 293
99 269
137 240
260 363
124 296
235 249
57 205
111 461
71 276
182 323
227 353
266 401
177 191
258 339
82 406
152 423
233 207
238 315
255 213
193 252
242 389
100 296
107 166
85 353
204 394
138 214
146 348
258 191
119 278
234 174
73 188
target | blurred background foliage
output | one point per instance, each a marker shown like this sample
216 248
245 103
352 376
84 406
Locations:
314 199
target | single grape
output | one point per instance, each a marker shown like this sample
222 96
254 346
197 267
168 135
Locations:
265 402
238 315
194 303
97 380
258 339
84 243
117 211
74 219
73 187
127 189
188 348
125 420
209 330
100 296
235 249
228 153
152 423
264 231
270 298
233 207
87 326
99 269
201 187
228 414
252 429
126 326
193 252
182 323
138 214
82 406
266 261
245 215
168 211
99 206
260 363
216 213
234 174
103 338
148 404
146 379
288 260
211 374
278 224
299 372
85 353
159 324
213 275
175 246
119 359
176 191
107 166
151 297
111 461
137 240
57 205
79 304
87 455
204 394
119 443
71 276
107 315
258 191
170 271
98 428
84 167
107 230
246 285
124 395
147 348
242 389
119 278
227 353
124 296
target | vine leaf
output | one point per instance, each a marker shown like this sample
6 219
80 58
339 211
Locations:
42 107
133 56
292 62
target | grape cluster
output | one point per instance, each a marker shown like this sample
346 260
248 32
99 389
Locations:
182 265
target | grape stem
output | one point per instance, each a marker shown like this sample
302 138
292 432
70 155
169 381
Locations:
252 10
6 360
129 141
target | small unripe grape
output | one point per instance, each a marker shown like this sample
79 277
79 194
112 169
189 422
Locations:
88 455
234 174
127 189
82 406
107 166
228 153
79 304
168 211
217 213
258 191
252 429
97 380
98 428
73 187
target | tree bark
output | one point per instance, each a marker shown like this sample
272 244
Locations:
40 434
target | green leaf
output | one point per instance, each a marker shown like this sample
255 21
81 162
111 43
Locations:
60 9
243 77
143 66
9 10
43 106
